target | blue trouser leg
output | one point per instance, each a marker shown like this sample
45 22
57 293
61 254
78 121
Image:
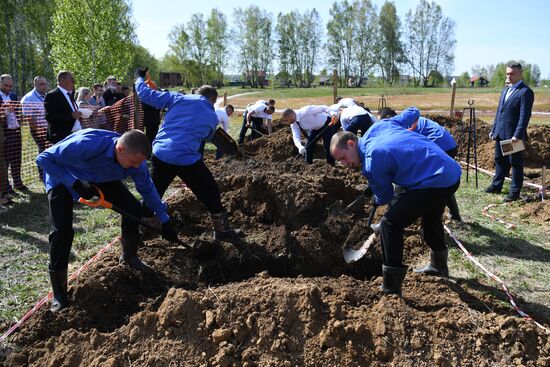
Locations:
502 166
516 161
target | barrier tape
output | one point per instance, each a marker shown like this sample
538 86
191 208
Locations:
487 172
495 278
71 277
486 213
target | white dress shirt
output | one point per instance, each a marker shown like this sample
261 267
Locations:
12 119
223 119
76 126
346 102
308 118
33 105
350 112
258 108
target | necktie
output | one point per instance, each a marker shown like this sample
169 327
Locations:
508 93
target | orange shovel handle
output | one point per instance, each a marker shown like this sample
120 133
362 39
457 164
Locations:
97 203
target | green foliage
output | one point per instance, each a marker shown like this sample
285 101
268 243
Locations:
299 40
352 32
24 42
142 58
529 78
252 34
389 47
463 80
92 38
430 41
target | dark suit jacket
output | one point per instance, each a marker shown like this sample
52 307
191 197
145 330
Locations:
3 119
59 115
513 115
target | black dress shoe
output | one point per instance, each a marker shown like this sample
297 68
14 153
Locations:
511 197
21 188
492 190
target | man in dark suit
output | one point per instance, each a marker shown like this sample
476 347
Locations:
10 112
61 110
513 114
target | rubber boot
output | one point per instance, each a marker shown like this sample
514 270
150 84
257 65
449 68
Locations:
129 253
453 209
438 264
222 228
392 279
60 299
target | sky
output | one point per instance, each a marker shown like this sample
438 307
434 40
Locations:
487 31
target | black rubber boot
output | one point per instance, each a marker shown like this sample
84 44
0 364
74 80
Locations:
453 209
129 254
392 279
222 229
60 299
438 264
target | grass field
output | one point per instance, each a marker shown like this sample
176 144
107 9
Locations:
521 258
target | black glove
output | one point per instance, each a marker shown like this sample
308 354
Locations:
169 232
367 192
85 189
141 73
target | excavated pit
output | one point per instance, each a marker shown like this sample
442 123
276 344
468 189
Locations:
281 296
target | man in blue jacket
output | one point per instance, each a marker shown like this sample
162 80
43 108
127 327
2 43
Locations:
387 155
77 166
190 119
511 120
410 119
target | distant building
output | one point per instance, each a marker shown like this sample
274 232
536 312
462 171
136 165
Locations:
170 80
481 81
405 80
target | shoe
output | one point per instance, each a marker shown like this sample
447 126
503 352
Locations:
456 218
511 197
222 228
393 279
11 192
60 299
129 253
492 190
438 264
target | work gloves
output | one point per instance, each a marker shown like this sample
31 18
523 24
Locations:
85 189
140 73
169 232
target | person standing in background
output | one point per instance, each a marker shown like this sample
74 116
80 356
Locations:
511 120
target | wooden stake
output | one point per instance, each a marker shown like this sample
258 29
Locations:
543 189
334 85
453 83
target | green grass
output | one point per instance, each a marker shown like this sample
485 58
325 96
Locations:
520 257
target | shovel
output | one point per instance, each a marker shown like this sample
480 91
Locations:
336 208
351 254
101 202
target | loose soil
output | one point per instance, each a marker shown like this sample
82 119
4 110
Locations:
281 296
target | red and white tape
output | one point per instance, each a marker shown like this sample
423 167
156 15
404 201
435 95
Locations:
71 277
470 257
486 213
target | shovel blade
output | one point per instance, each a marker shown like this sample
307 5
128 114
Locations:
352 255
335 208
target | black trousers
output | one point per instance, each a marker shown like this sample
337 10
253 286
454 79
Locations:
12 154
257 124
502 169
404 209
196 176
151 120
61 203
452 204
361 122
326 136
39 136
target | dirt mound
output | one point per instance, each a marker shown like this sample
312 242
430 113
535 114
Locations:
282 295
537 152
267 321
537 212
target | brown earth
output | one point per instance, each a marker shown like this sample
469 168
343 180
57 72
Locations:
282 296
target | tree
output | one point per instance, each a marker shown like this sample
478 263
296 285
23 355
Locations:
298 39
92 38
463 80
142 58
390 49
197 47
217 37
430 42
535 74
352 32
24 29
252 29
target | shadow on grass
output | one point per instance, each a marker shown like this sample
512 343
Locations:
30 213
503 246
